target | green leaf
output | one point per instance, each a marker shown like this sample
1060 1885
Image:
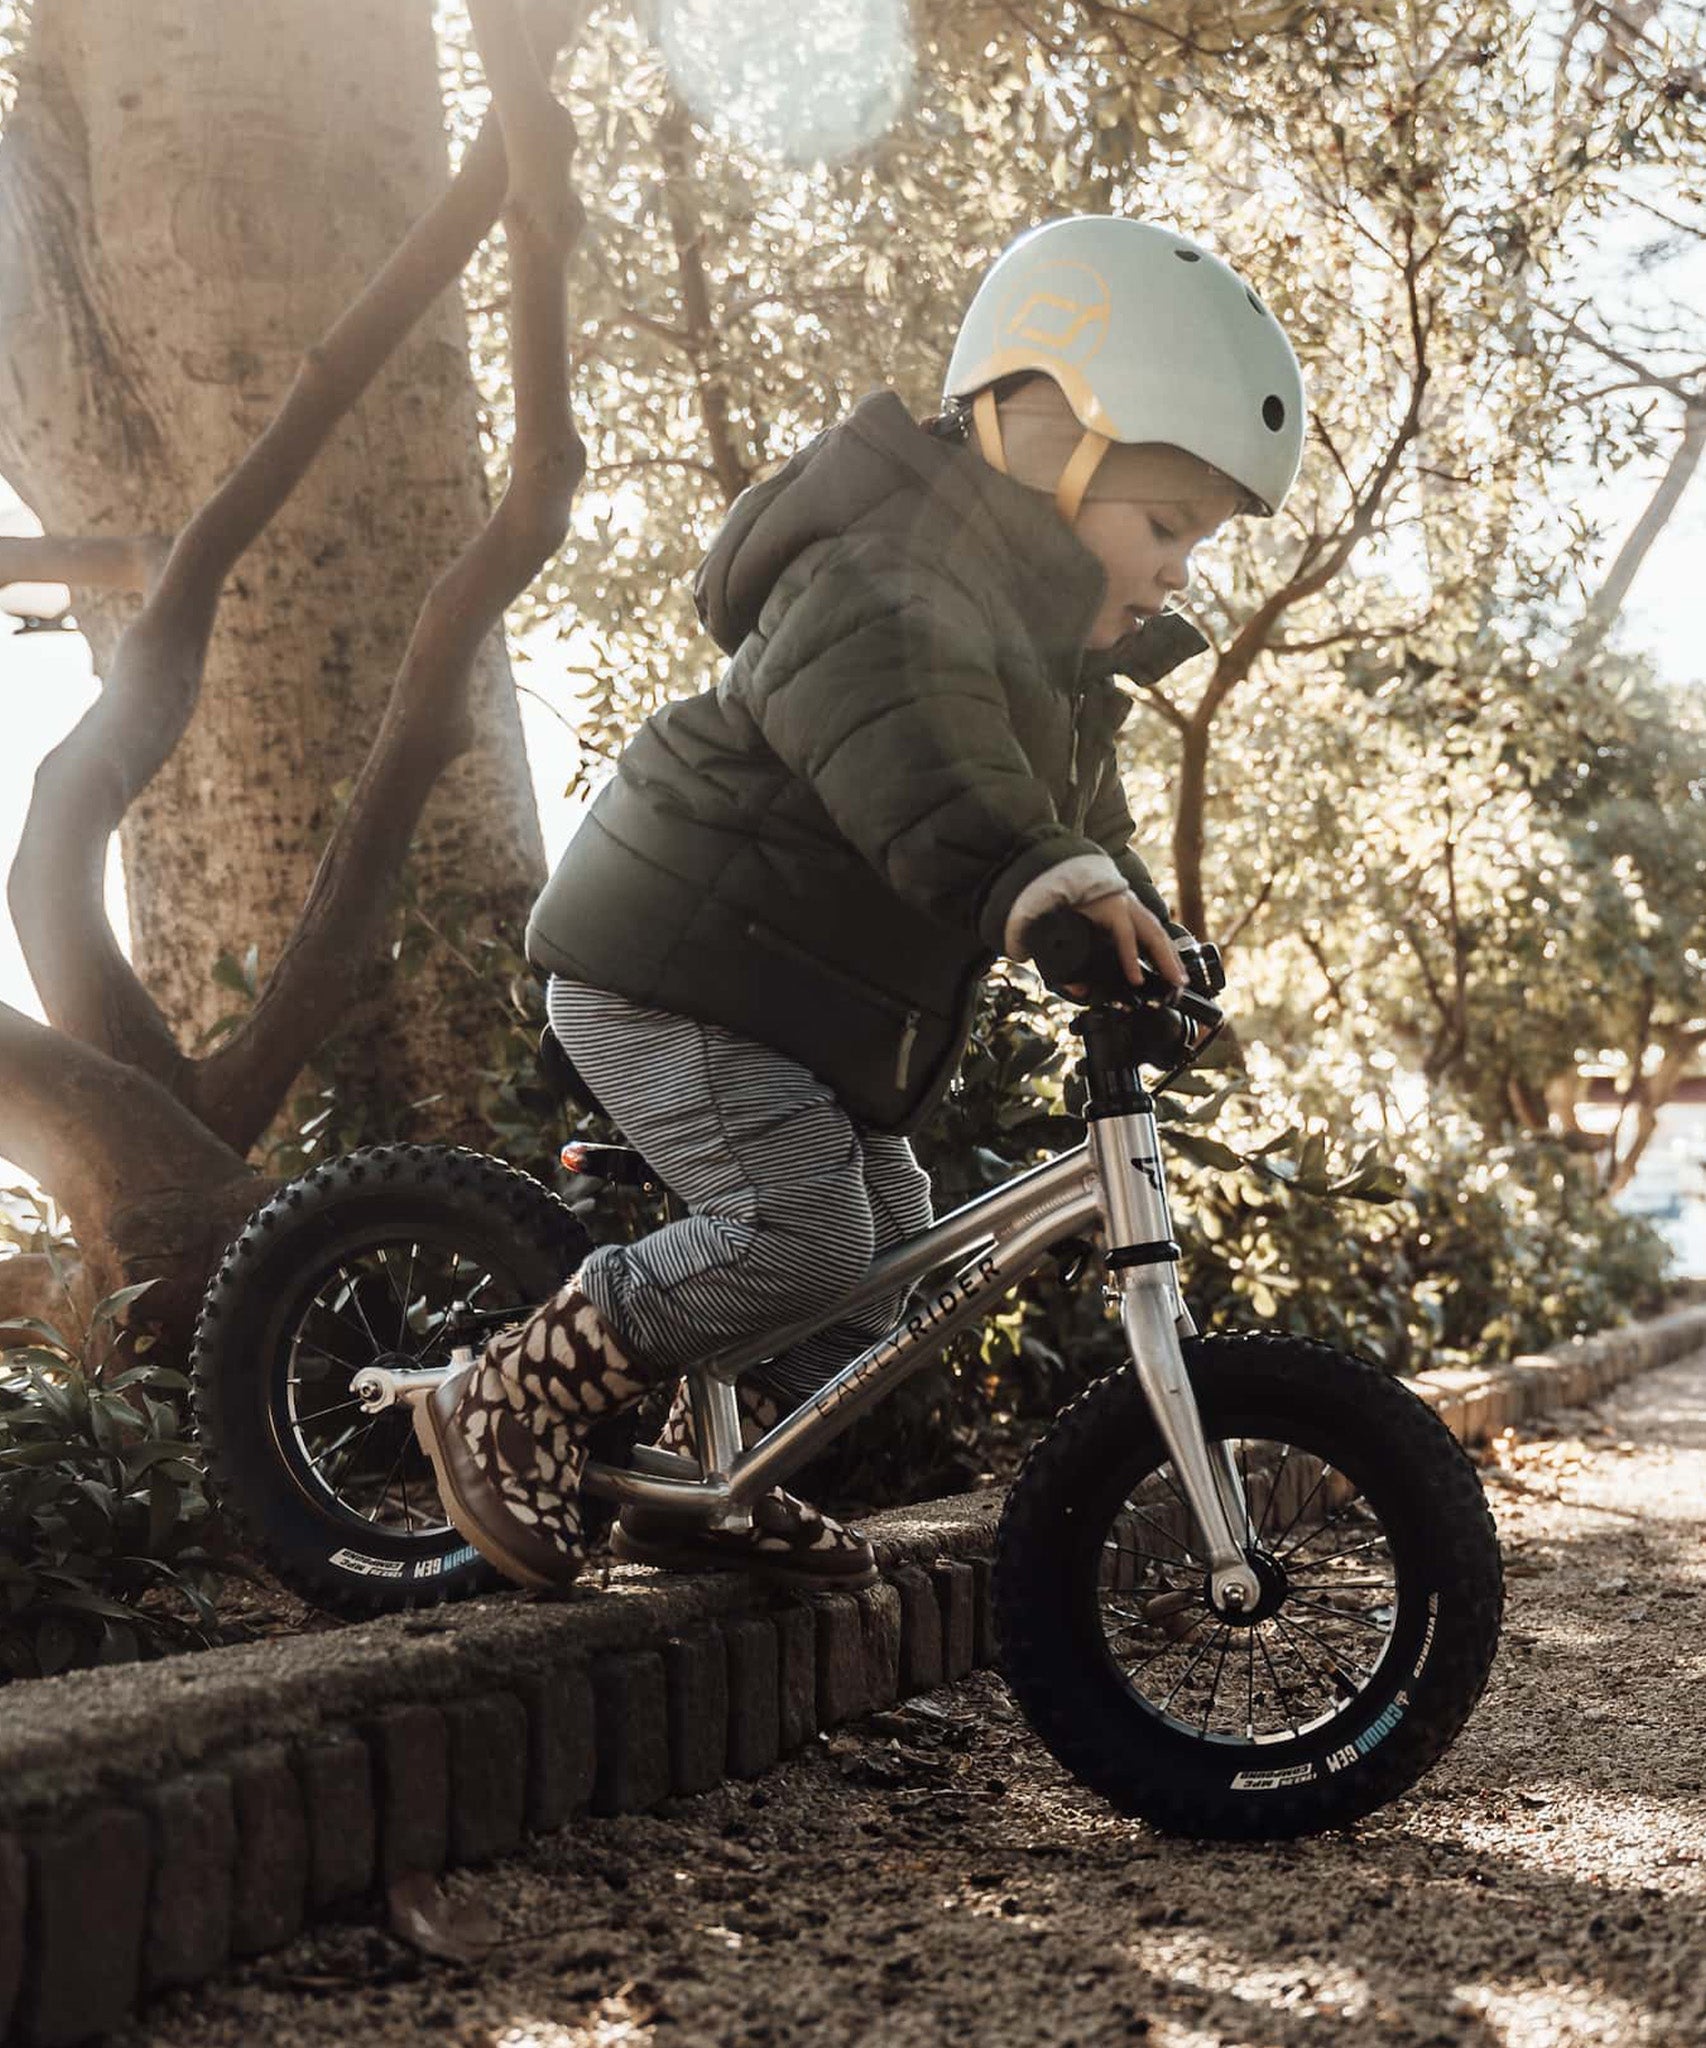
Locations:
164 1502
1204 1150
1312 1165
157 1377
111 1307
79 1601
37 1328
119 1643
56 1644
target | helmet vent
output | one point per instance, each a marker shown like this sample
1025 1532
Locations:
1273 413
1256 302
1188 255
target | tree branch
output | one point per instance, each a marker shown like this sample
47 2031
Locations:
427 722
1252 910
1609 599
124 565
85 786
688 231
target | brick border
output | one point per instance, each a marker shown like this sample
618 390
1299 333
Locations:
158 1820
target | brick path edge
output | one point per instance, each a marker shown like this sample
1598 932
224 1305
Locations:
206 1806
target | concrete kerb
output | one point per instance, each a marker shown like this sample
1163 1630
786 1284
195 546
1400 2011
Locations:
207 1805
1478 1405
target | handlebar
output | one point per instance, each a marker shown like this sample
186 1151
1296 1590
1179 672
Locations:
1069 950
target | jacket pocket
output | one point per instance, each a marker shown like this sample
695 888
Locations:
908 1017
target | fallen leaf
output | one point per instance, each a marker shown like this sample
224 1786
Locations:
456 1931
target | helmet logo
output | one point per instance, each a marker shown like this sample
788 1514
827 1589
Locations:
1061 309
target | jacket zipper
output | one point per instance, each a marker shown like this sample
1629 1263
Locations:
911 1020
908 1039
1080 796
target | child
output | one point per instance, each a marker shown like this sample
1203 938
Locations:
765 939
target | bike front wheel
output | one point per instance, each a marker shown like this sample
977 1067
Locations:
1381 1596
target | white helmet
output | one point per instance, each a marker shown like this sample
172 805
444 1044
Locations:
1152 339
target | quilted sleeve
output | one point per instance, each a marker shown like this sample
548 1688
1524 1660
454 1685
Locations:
878 686
1109 823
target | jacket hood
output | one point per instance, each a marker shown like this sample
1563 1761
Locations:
878 466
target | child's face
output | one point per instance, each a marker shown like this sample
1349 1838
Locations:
1145 546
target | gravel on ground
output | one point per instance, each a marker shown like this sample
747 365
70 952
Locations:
933 1876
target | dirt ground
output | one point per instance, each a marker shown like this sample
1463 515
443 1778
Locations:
934 1877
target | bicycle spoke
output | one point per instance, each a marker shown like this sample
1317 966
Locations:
1339 1614
1326 1528
1273 1490
1352 1680
331 1308
1320 1479
1250 1686
408 1297
1174 1646
1260 1638
385 1484
320 1414
348 1438
1214 1683
360 1309
1202 1652
1171 1564
1322 1677
1332 1556
319 1351
1166 1535
1300 1665
1135 1618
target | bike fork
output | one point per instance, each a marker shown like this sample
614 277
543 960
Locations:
1142 1269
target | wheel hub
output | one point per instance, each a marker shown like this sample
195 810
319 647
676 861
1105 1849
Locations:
1273 1584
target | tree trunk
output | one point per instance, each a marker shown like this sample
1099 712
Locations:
189 193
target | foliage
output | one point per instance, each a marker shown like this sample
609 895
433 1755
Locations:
1415 809
1444 1253
32 1222
103 1512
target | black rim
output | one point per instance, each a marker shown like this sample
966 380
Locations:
1313 1649
375 1300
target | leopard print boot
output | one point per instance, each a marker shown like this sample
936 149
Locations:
507 1436
789 1542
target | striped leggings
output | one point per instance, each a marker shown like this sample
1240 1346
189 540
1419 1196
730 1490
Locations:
789 1199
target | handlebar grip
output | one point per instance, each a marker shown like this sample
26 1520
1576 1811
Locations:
1067 948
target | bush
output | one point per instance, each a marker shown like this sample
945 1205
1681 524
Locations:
1452 1252
103 1512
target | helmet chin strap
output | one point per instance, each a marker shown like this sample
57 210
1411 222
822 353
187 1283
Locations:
1075 477
1081 465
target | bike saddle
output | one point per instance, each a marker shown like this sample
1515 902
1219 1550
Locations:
618 1164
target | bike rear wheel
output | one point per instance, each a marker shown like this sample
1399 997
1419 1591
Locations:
1382 1594
358 1264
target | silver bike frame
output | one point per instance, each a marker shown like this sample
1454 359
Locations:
1116 1178
969 1260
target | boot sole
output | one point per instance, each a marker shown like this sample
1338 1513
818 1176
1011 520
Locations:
668 1557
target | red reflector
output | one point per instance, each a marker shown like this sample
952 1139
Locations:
574 1158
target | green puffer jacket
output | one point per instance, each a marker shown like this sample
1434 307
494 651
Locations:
822 851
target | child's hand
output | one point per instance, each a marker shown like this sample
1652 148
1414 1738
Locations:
1134 932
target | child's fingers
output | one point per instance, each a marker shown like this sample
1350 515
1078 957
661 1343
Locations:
1135 931
1156 943
1125 942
